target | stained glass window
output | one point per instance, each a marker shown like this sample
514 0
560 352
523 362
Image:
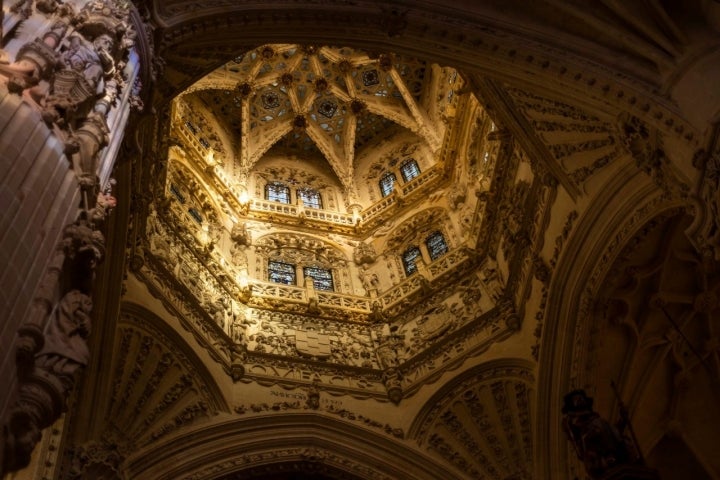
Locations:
387 182
436 245
322 278
310 198
409 169
277 192
409 259
280 272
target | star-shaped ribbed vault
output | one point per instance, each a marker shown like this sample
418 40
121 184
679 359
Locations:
322 104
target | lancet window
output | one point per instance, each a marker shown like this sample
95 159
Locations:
410 258
277 192
409 169
280 272
387 183
322 278
310 198
436 245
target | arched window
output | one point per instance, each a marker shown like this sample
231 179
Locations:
322 278
310 198
277 192
409 169
280 272
409 259
387 182
436 245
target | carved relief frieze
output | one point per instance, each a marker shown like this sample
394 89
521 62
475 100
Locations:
259 465
288 334
543 272
469 340
645 145
329 409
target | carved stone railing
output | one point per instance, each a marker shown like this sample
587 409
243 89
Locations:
418 281
400 291
346 302
327 216
274 207
191 142
295 294
419 181
378 207
447 262
288 293
385 203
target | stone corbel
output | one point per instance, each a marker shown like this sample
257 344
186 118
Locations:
392 379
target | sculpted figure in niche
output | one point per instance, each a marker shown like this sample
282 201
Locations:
370 281
76 87
65 348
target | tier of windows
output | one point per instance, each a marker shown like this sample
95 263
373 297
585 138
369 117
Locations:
286 273
435 245
409 169
279 192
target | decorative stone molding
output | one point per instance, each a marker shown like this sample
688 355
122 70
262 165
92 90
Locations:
544 272
646 147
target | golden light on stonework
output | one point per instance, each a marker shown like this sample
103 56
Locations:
328 164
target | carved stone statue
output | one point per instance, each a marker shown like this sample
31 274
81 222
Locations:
600 445
370 282
43 391
65 348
